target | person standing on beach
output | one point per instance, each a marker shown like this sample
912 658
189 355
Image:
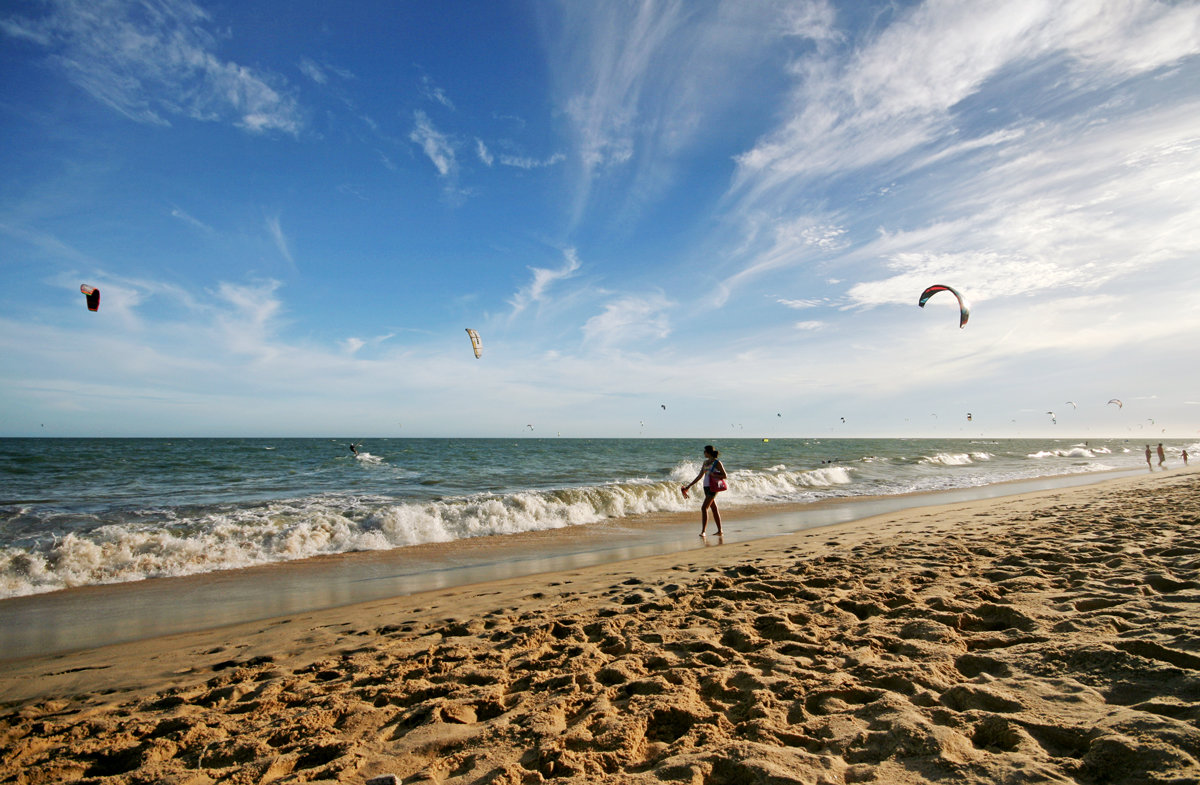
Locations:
1161 456
1185 456
1148 458
713 473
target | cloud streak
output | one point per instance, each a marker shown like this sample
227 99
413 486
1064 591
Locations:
436 146
275 230
535 291
155 60
899 92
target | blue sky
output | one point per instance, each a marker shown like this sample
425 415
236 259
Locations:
293 210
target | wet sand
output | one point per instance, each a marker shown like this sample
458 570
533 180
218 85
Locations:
1048 637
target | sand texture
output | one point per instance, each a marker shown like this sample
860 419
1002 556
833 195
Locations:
1053 637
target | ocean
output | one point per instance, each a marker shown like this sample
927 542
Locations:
78 512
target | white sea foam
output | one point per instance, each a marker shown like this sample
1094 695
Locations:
948 459
297 529
1074 452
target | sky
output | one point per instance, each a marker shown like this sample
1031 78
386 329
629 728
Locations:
664 218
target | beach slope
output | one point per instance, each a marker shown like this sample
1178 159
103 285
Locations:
1050 637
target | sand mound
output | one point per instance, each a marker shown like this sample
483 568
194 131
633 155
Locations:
1056 640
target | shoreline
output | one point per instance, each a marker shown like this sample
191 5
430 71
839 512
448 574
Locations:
105 614
1046 636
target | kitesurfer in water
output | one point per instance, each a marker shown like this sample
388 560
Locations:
354 449
713 473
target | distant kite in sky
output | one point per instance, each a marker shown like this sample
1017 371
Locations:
664 406
1117 401
93 296
964 310
475 343
1073 406
1053 419
968 416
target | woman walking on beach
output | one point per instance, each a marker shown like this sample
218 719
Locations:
713 472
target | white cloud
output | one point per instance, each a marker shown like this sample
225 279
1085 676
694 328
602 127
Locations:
809 325
150 62
249 327
313 71
188 219
275 229
436 145
543 278
788 243
629 319
637 81
801 304
484 154
898 91
435 93
525 162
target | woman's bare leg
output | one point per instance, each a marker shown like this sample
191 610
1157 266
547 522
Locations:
716 516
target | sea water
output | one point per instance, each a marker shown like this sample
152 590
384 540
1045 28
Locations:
76 512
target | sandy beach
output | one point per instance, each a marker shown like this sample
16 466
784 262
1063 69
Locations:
1047 637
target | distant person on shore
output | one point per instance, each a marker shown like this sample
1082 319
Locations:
713 473
1185 456
1161 456
1148 463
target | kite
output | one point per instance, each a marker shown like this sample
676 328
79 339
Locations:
1117 401
93 296
1073 406
968 416
964 310
475 342
843 419
664 406
1053 419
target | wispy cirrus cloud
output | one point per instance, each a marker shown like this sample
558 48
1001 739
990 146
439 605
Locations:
527 162
543 278
898 92
195 223
629 319
485 155
155 60
275 230
813 302
489 158
435 93
1048 172
638 81
435 144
